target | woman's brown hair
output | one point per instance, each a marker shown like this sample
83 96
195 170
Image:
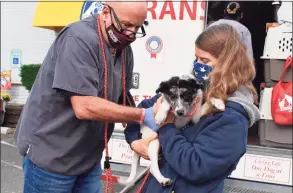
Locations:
234 67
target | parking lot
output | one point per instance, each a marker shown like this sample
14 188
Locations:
11 169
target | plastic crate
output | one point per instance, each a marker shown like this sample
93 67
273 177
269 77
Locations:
273 69
273 135
278 42
270 133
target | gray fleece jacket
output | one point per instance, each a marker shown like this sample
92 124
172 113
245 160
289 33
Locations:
245 98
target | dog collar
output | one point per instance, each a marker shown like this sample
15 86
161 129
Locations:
194 109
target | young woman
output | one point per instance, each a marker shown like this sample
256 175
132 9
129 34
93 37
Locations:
200 157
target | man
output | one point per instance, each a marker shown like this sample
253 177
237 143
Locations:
61 129
232 16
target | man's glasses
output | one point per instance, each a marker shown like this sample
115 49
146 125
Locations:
137 34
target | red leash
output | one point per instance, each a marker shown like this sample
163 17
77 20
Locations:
144 181
109 178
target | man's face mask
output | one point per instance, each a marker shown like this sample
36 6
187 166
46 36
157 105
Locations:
201 71
117 37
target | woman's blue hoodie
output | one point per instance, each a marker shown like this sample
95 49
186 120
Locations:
198 158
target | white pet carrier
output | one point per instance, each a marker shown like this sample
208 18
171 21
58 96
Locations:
278 43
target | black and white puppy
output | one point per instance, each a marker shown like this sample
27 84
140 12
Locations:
183 95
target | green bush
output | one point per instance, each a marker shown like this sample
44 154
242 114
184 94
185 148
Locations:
28 74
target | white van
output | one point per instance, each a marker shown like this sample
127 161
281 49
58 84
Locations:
168 49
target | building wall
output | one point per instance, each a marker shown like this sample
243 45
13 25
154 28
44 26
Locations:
17 33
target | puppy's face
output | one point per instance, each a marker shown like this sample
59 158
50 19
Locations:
180 93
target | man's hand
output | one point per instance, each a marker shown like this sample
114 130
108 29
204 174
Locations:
150 113
170 117
141 146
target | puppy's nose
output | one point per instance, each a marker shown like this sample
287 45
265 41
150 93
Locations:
180 112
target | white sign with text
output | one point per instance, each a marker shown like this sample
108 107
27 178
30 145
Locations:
120 152
264 169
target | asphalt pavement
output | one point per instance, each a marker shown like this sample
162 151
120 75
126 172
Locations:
11 166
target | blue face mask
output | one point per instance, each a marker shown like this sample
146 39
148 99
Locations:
201 71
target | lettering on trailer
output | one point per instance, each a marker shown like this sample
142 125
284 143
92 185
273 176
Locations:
138 98
191 8
121 152
125 153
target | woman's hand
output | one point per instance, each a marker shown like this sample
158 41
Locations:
141 146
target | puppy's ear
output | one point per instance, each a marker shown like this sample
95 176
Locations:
196 85
193 83
163 87
201 86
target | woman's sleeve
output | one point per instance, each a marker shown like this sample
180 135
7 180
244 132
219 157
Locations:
211 154
132 131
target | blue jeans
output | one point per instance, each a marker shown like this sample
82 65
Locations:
38 180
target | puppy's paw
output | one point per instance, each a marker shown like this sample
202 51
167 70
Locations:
218 103
160 117
165 182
